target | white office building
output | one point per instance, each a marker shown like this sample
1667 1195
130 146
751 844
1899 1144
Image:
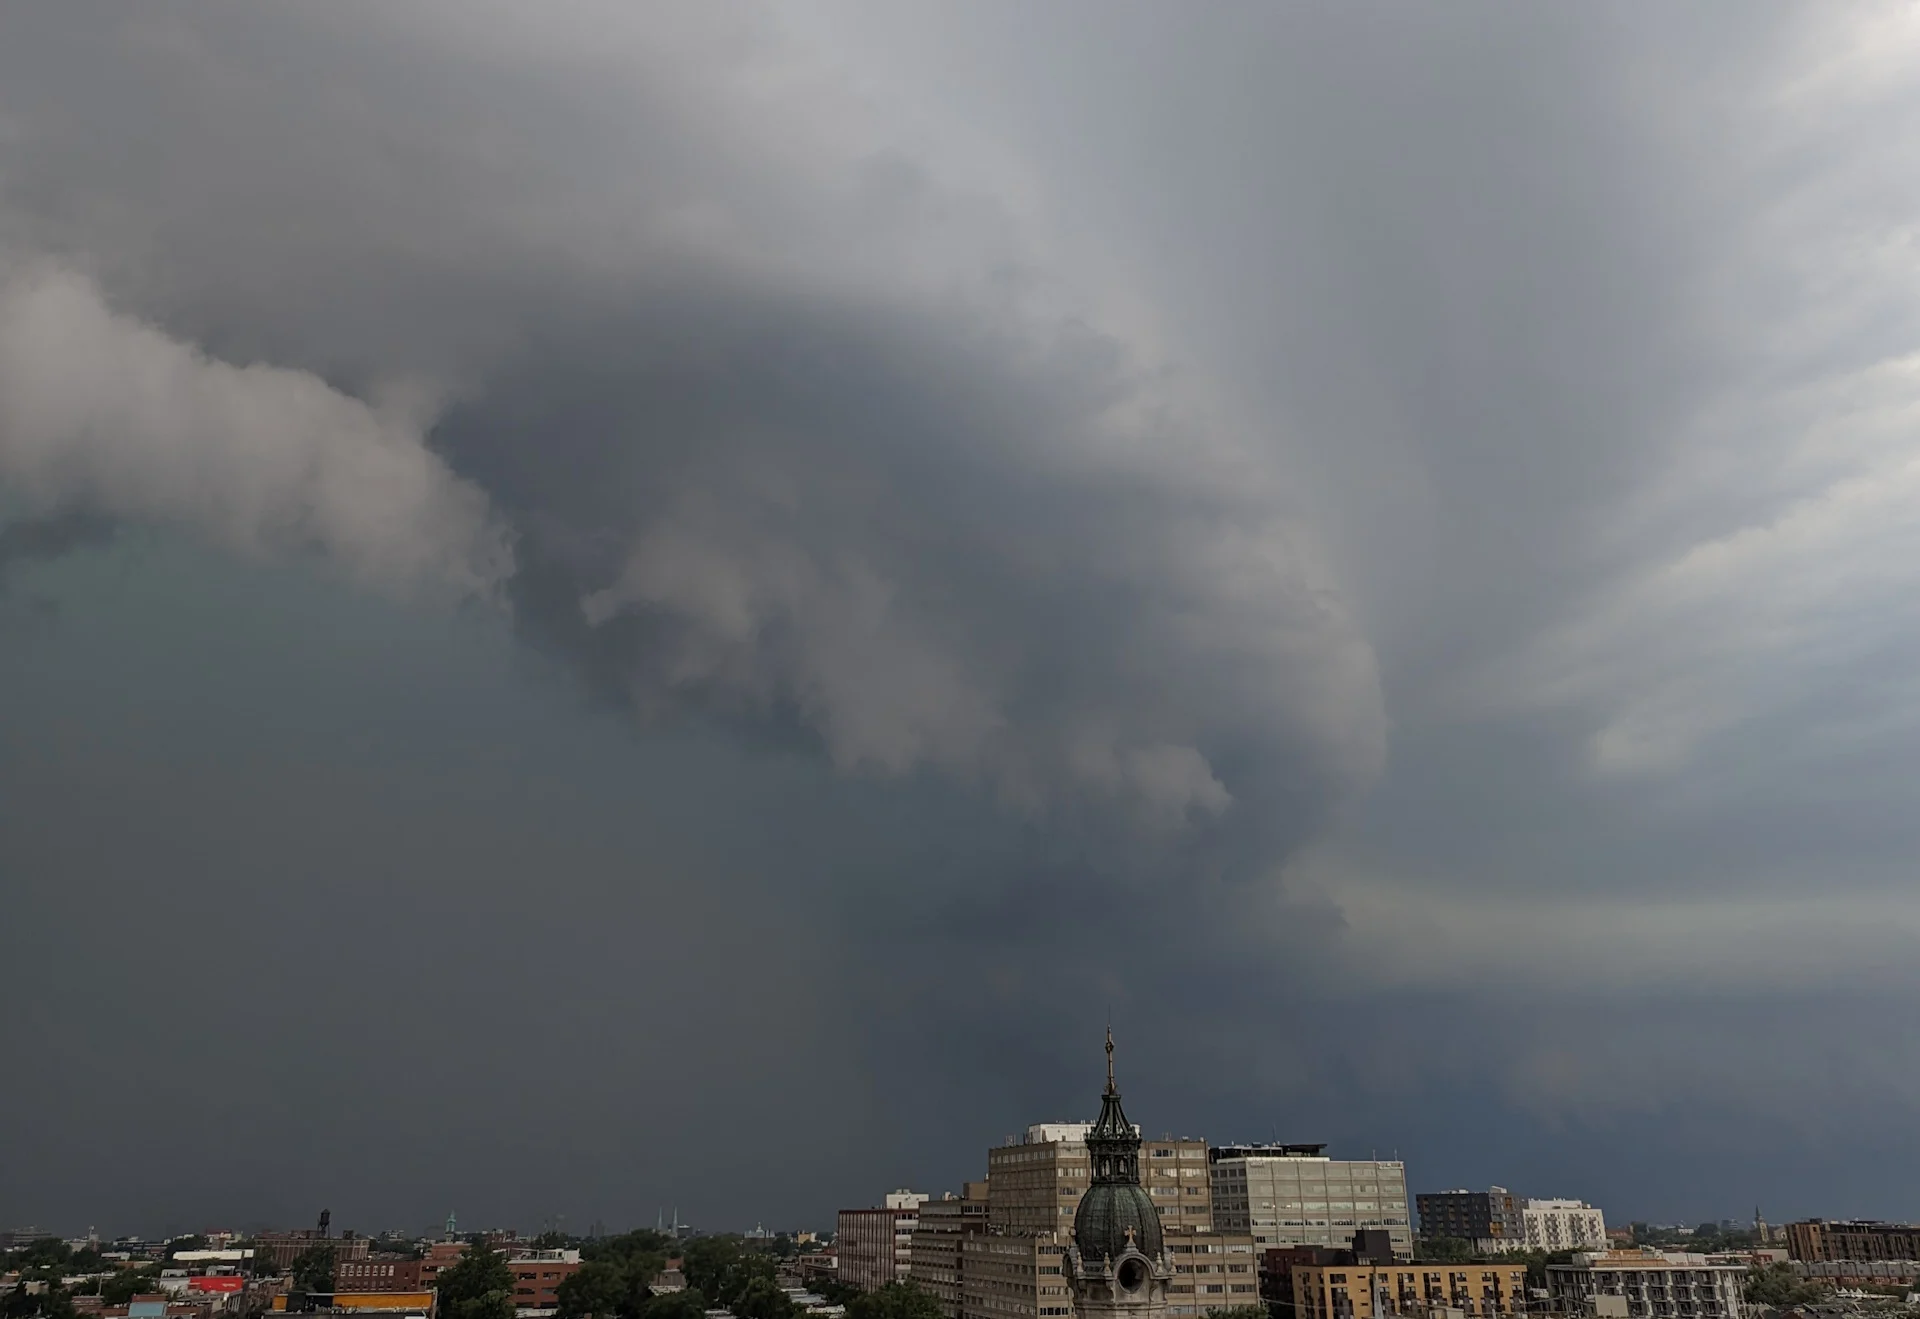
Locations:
1293 1195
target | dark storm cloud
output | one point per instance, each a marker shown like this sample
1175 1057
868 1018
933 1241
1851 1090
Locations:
1040 421
28 540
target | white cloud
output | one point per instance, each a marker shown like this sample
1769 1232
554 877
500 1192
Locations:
102 411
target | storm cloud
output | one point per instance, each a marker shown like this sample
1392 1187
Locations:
1356 541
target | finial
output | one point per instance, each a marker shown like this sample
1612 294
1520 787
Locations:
1110 1089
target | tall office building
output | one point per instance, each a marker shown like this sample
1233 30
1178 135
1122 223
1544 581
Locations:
1294 1195
936 1265
1036 1184
875 1246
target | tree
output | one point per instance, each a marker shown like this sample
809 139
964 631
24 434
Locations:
478 1285
127 1284
1778 1284
1239 1312
706 1262
762 1298
312 1270
551 1240
896 1300
1443 1250
688 1304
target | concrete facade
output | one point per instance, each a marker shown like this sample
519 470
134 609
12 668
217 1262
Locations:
1653 1284
1292 1195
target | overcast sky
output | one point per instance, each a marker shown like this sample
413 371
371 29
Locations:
612 607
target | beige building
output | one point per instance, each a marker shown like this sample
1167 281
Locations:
936 1263
1293 1195
1036 1184
1369 1290
1649 1284
1211 1271
1013 1276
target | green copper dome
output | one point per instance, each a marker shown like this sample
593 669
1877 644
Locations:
1106 1217
1116 1212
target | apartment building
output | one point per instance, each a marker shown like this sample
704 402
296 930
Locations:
1035 1184
1347 1289
1490 1221
936 1264
1294 1195
1654 1284
1852 1239
875 1246
377 1273
537 1275
1211 1271
1013 1275
1556 1225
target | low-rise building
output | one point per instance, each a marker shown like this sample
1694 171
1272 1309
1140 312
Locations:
1854 1238
377 1273
537 1275
1653 1284
1860 1272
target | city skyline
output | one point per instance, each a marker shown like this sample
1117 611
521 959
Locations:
608 606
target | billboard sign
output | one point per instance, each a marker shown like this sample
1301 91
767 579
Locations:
217 1282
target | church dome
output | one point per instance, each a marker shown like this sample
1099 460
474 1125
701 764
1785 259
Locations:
1111 1218
1116 1212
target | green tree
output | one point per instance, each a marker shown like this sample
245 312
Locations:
551 1240
762 1298
1778 1284
706 1262
1443 1250
597 1288
40 1253
1239 1312
688 1304
312 1270
896 1300
129 1283
478 1285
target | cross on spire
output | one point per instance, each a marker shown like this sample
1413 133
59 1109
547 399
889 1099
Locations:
1110 1089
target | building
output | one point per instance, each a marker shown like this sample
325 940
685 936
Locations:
1490 1220
285 1247
1852 1239
1211 1271
875 1246
936 1262
440 1255
377 1273
1293 1195
537 1275
1554 1225
1860 1272
1007 1275
1035 1185
1367 1281
1653 1284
